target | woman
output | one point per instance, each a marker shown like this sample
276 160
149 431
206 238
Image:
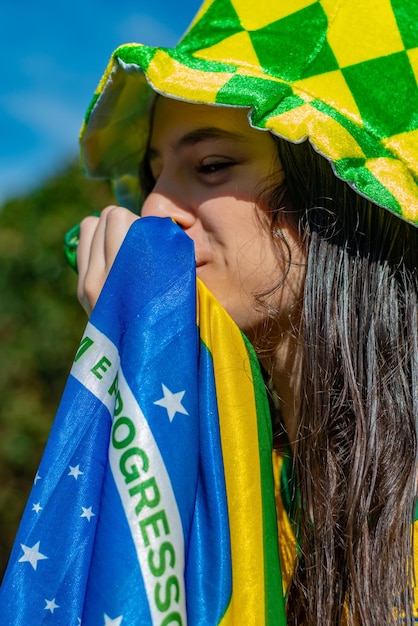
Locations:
321 279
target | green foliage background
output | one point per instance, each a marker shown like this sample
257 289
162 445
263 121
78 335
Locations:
41 324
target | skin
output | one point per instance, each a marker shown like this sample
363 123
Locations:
208 165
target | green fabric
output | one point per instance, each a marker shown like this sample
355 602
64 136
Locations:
342 74
274 604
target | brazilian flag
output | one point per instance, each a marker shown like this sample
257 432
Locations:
154 501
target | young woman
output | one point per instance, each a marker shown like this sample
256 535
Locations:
328 296
323 281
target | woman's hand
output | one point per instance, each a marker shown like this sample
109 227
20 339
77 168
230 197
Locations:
100 240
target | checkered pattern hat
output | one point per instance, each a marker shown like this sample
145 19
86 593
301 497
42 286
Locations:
342 73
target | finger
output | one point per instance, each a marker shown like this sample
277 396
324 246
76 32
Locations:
87 231
118 220
91 259
100 240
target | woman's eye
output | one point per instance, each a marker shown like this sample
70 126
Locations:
214 167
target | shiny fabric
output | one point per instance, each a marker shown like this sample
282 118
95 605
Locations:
154 501
342 74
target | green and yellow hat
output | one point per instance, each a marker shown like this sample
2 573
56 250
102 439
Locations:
341 73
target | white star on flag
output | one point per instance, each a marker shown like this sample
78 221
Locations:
87 513
37 507
37 477
108 621
50 605
172 402
74 471
32 555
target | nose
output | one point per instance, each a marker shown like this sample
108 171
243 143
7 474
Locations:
160 204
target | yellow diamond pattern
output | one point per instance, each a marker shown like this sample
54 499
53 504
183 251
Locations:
267 11
358 31
405 146
356 34
332 89
413 58
396 178
187 83
238 47
257 72
331 8
329 136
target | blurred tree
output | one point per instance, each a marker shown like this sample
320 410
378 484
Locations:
41 324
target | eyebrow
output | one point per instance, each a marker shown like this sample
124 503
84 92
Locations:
198 135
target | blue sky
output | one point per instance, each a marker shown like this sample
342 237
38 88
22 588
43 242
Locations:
53 55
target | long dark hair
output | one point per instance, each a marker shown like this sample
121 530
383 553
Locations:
356 452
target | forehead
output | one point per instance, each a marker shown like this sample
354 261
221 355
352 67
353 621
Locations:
173 119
